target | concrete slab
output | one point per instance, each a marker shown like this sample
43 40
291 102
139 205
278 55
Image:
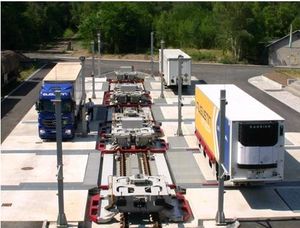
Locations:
170 128
92 169
156 94
293 137
264 83
184 168
176 142
191 141
246 204
35 143
40 168
274 89
157 113
186 100
42 205
287 98
171 113
208 173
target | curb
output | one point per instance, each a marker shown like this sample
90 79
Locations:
274 87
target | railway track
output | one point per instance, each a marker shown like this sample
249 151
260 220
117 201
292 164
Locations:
135 180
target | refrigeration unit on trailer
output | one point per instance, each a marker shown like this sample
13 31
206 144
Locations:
66 78
170 67
254 134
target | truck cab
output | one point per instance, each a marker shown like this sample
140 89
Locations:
66 78
46 111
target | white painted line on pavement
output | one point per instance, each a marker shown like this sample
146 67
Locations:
23 82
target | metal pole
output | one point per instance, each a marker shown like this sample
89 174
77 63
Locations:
179 130
61 219
220 217
99 52
83 120
152 53
93 67
162 69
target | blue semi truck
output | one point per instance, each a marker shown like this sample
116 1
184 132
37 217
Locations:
65 77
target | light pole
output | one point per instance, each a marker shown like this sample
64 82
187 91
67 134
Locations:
93 68
61 219
83 120
180 62
162 69
99 52
152 53
220 217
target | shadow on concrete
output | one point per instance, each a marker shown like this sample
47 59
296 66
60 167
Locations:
23 224
188 90
291 168
260 198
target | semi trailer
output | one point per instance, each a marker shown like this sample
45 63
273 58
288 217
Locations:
66 78
254 134
170 67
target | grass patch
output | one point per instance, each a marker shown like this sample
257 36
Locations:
26 72
203 54
210 55
294 73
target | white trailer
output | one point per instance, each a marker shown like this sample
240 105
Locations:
254 134
170 66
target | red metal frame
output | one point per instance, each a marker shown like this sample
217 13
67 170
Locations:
206 149
94 207
185 207
94 204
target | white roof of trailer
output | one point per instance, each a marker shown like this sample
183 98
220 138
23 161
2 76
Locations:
65 71
240 105
174 53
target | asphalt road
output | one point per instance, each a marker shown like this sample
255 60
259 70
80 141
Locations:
17 104
14 107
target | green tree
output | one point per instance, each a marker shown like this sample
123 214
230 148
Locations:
234 23
124 26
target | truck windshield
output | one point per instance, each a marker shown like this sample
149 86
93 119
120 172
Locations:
258 134
48 106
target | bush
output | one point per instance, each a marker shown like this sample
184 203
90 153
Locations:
226 59
68 33
204 54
